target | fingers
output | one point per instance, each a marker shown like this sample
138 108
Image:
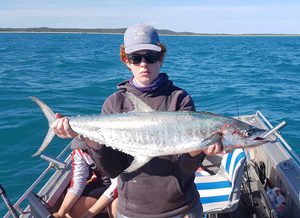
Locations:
58 115
195 153
56 215
216 148
62 128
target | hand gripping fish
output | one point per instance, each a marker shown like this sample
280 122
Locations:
145 133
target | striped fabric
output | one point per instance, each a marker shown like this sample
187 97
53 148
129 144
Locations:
217 191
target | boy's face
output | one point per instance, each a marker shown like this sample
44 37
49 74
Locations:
144 73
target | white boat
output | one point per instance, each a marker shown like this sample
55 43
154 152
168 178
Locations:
282 168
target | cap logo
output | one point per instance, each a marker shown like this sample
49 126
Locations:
141 35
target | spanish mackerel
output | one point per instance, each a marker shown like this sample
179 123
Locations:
145 133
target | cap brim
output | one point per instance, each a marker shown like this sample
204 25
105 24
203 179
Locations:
134 48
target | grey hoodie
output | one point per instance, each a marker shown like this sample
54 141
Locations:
164 187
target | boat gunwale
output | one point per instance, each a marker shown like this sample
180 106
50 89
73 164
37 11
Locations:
261 119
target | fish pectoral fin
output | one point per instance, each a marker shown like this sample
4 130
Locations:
139 105
137 162
212 139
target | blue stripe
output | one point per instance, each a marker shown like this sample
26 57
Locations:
228 160
240 157
213 185
221 198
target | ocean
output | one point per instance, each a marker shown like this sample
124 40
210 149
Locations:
74 73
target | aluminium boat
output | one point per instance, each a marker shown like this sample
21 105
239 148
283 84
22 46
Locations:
272 165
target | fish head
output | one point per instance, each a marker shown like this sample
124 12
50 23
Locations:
238 134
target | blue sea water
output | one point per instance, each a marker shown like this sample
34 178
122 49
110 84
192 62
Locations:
74 73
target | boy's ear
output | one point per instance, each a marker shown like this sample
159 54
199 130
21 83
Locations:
127 64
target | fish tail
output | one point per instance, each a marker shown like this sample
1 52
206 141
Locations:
51 118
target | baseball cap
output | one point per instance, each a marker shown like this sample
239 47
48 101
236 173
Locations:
141 37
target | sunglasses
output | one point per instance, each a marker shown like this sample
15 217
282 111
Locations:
150 58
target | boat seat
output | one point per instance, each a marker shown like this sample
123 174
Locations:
220 193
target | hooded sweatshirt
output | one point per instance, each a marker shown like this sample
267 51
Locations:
164 187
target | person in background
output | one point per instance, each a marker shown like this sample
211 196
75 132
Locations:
164 187
90 191
104 201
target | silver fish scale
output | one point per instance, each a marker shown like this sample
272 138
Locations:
150 134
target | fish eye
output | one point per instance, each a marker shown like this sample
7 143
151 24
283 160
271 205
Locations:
248 133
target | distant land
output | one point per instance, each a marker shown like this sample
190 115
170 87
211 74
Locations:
117 31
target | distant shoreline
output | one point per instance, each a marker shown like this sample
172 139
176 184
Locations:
121 31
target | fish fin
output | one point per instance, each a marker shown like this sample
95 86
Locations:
139 105
213 138
51 118
137 162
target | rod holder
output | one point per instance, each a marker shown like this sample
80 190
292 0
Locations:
54 162
273 130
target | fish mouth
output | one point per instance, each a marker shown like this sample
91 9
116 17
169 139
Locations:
260 135
262 139
258 138
267 134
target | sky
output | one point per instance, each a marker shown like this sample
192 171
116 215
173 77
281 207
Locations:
199 16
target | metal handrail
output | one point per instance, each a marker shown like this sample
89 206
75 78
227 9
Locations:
43 174
290 150
36 182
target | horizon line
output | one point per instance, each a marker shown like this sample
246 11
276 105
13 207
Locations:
120 30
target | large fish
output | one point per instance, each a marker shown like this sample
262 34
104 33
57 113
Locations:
145 133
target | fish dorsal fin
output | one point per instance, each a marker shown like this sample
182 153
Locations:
138 104
208 113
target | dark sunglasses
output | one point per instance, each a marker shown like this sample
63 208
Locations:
150 58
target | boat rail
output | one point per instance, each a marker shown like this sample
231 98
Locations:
58 164
52 164
287 147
